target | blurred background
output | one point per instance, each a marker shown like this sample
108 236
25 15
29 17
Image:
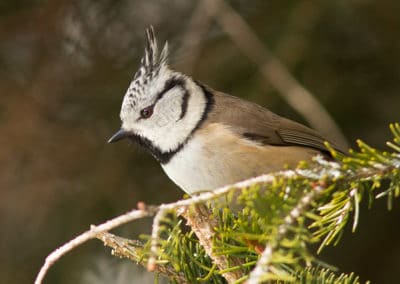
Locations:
65 66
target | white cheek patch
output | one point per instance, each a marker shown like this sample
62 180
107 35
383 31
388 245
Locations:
168 109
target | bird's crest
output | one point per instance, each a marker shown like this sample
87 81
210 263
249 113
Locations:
152 61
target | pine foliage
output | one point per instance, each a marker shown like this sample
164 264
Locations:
266 230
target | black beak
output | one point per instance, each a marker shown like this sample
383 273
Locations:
119 135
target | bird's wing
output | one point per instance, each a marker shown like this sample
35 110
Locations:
263 126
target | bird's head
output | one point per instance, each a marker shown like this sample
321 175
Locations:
161 107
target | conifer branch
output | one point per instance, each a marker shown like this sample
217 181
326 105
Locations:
264 229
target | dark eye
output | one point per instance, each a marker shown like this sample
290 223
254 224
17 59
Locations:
147 112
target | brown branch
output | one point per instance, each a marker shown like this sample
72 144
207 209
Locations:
274 71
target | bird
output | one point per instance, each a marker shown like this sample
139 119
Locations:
205 139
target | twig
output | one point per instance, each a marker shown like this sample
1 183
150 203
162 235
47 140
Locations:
123 247
151 264
91 234
203 226
274 71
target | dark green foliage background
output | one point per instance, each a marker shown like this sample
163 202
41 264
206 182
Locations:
65 65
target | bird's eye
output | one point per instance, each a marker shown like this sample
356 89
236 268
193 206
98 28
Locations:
147 112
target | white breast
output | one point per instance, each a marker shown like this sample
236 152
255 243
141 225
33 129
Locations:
213 157
192 170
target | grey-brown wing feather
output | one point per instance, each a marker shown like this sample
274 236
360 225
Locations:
261 125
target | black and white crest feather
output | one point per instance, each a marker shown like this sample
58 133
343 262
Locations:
152 61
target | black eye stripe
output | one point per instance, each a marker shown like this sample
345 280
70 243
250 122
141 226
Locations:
184 106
